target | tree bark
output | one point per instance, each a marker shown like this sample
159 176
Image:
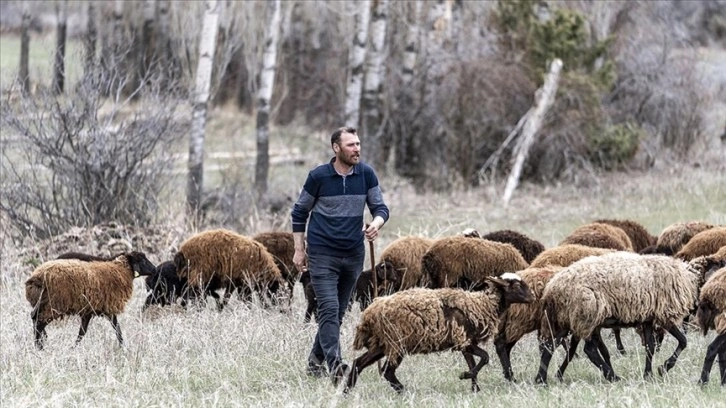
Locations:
23 71
410 53
90 39
356 59
59 70
543 100
267 80
148 31
207 43
373 85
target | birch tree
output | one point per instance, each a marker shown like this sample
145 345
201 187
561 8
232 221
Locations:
23 71
207 43
59 70
264 94
356 59
410 52
373 85
89 40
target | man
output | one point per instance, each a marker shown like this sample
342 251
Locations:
334 198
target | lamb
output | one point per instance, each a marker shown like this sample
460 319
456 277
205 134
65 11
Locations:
638 234
220 258
421 321
601 236
706 242
528 247
712 315
282 247
464 262
65 287
565 255
522 318
620 289
675 236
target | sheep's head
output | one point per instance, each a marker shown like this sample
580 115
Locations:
513 288
140 263
471 233
705 266
387 278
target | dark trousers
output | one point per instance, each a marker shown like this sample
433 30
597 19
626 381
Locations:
333 280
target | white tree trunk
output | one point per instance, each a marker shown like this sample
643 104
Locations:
356 59
543 99
267 80
410 53
59 67
207 43
373 85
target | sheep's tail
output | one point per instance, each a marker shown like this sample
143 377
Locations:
362 335
33 293
706 315
180 262
430 271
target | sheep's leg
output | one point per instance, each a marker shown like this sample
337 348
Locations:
366 359
716 348
592 352
682 343
659 337
571 350
85 319
470 351
618 340
40 334
117 328
546 348
389 373
649 338
602 348
722 363
504 351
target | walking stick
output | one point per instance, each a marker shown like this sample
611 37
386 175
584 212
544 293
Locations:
374 278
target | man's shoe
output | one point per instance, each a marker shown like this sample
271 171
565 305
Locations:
340 373
315 368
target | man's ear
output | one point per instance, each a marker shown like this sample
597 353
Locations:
336 147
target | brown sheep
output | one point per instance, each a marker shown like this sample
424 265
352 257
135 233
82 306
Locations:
522 318
402 258
220 258
599 235
528 247
422 321
464 262
638 234
704 243
712 315
90 288
281 246
565 255
675 236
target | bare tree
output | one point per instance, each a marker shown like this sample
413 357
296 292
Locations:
90 38
267 80
59 70
207 42
373 85
147 49
23 72
410 53
356 58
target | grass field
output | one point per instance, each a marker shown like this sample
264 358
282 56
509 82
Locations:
249 356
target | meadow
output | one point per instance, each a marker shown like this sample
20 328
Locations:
251 356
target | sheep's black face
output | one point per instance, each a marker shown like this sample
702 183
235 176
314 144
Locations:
517 291
140 264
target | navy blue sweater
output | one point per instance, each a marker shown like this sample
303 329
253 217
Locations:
335 206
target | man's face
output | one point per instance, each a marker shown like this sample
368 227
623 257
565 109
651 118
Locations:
347 151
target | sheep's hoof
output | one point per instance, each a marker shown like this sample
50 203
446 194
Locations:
475 388
466 375
662 371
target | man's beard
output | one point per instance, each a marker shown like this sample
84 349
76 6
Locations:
348 162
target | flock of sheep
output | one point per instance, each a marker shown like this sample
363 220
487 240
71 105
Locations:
451 293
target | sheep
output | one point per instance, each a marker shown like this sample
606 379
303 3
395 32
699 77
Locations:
620 289
706 242
400 264
464 262
528 247
220 258
674 236
421 321
565 255
711 314
638 234
65 287
522 318
599 235
282 247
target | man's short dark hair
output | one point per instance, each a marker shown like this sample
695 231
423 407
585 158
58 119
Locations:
335 137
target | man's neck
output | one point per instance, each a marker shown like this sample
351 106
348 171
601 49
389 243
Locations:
342 168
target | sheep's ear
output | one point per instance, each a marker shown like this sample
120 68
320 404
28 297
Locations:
136 274
497 281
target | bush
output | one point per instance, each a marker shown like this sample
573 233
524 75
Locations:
616 146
